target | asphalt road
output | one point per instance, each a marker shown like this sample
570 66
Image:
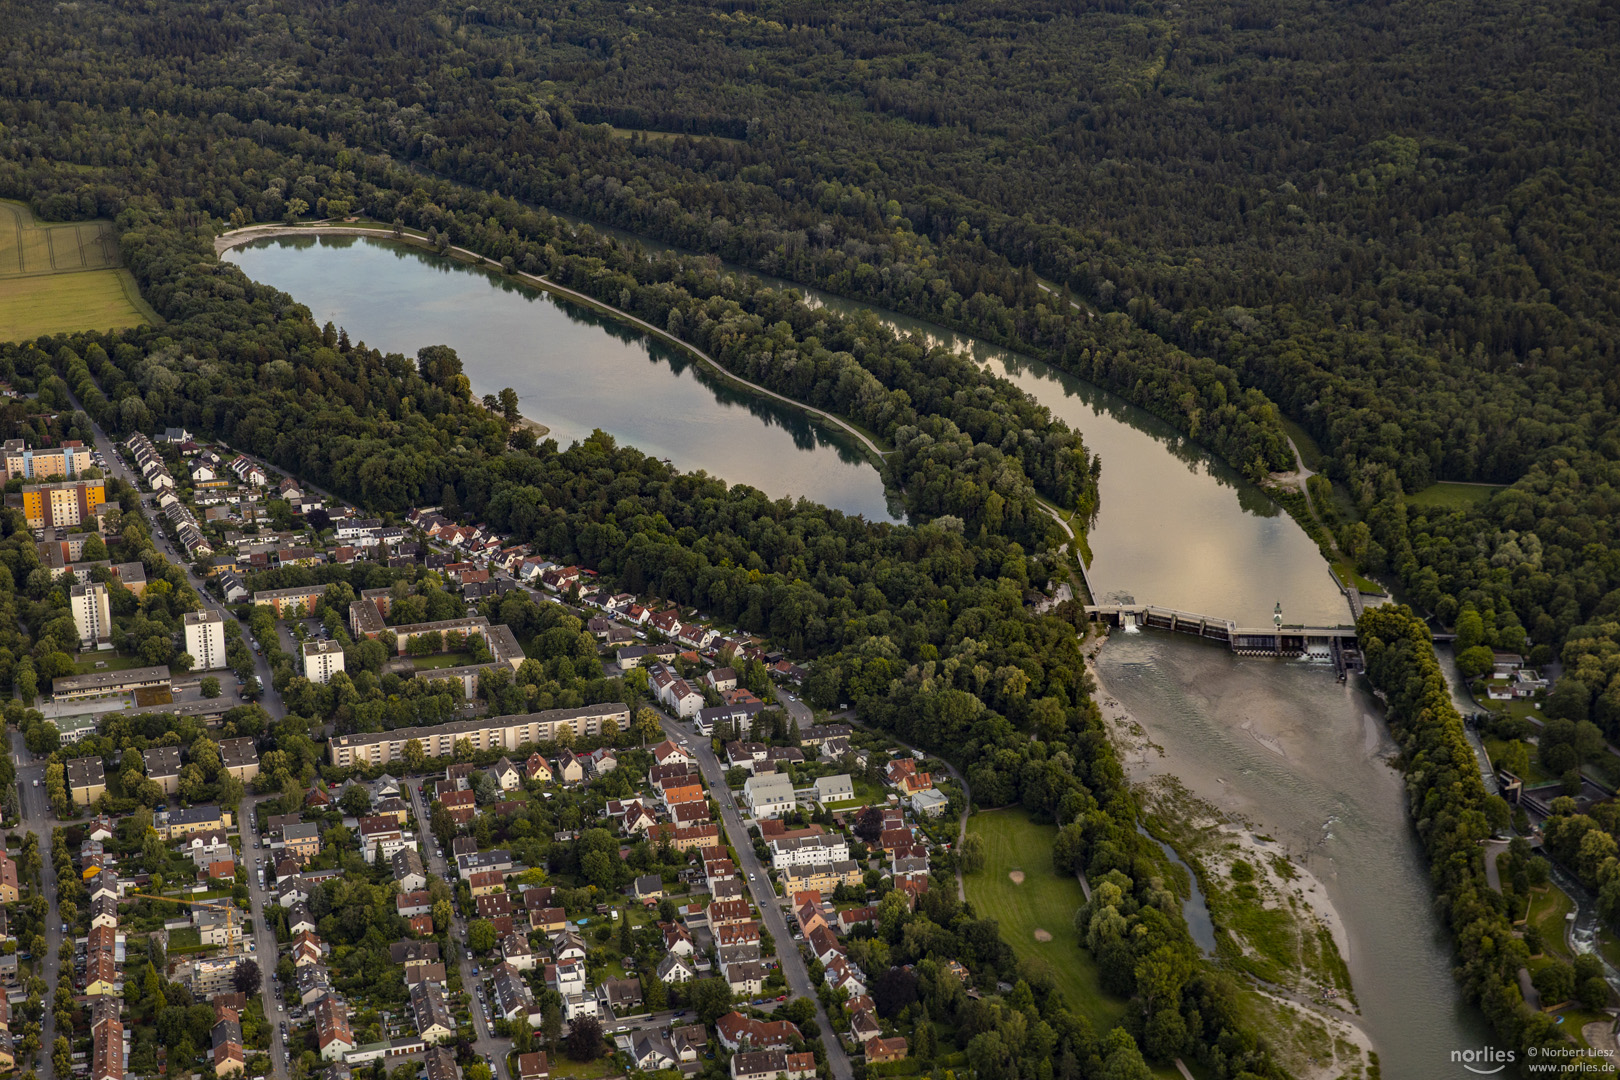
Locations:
794 968
36 819
264 939
115 466
485 1042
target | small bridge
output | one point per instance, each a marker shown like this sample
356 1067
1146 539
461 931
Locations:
1330 644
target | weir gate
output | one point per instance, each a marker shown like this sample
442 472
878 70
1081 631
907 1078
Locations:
1328 644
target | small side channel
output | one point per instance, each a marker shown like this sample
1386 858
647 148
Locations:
1193 909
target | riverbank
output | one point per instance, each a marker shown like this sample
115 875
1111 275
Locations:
1272 764
1274 921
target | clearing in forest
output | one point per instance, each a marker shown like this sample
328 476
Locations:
58 277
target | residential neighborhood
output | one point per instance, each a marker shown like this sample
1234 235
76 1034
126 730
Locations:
673 879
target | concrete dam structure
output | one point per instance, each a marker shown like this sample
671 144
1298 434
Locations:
1329 644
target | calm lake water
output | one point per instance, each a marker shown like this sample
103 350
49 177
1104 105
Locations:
1176 528
573 370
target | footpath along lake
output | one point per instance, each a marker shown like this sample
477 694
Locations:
1175 528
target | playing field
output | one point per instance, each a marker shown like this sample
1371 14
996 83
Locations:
1041 904
62 303
60 277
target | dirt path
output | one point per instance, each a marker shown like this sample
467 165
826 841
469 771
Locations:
1299 478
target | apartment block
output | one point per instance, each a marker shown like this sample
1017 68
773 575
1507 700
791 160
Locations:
205 640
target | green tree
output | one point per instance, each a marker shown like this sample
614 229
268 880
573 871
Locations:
1474 662
1555 982
210 687
481 935
645 727
1470 630
585 1039
710 999
970 854
414 755
356 801
551 1023
1570 699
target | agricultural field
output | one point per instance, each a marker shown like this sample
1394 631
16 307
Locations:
61 277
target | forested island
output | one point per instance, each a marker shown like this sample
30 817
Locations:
1372 229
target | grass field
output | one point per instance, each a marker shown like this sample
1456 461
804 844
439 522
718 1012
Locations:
62 303
1042 901
1547 912
1453 496
30 247
1345 572
90 662
441 660
60 277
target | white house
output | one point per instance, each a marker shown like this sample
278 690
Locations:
769 796
830 789
676 969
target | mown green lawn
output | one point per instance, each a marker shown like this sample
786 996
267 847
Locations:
1546 913
88 663
1044 900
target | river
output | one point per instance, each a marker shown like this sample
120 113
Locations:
1175 528
1304 759
573 369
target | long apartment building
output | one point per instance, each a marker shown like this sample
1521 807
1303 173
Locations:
72 502
299 600
485 733
68 460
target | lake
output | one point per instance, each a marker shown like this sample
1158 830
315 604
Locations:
573 369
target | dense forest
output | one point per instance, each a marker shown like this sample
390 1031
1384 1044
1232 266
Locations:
1227 215
1386 224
